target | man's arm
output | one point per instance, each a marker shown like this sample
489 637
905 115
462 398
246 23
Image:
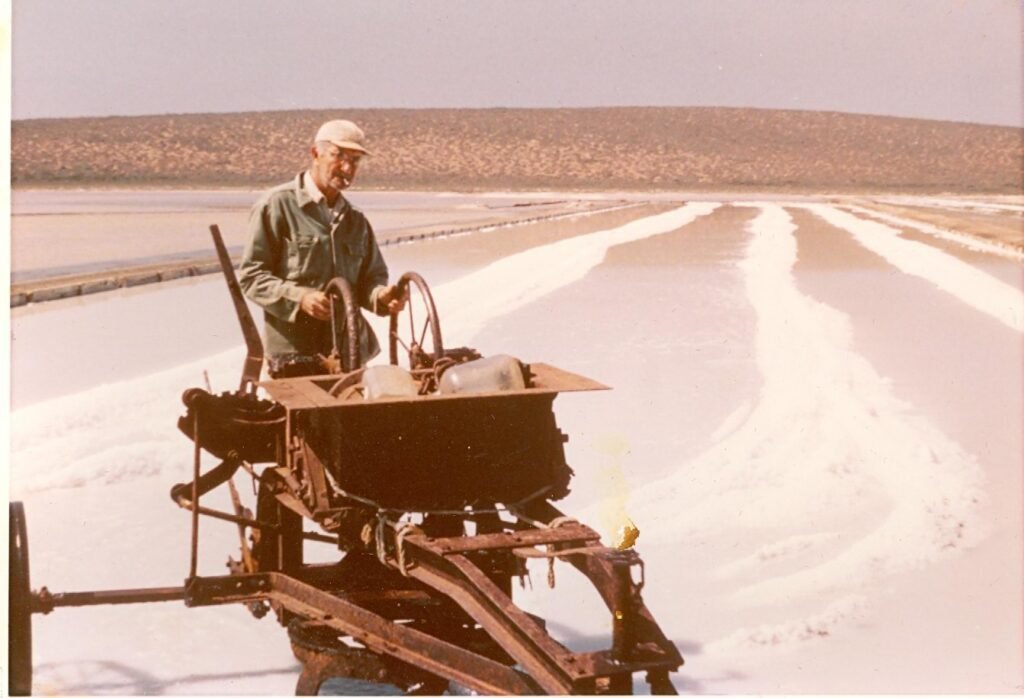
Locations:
261 272
374 293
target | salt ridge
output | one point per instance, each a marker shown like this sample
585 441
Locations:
968 241
972 286
934 202
826 444
512 282
112 432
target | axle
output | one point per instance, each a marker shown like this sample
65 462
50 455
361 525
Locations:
43 601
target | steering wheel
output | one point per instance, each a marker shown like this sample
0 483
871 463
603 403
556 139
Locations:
419 307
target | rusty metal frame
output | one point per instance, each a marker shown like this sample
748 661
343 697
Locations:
446 566
375 632
638 644
548 662
599 570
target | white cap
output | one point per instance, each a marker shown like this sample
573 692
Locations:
343 134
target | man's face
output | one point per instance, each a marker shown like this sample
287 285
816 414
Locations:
334 168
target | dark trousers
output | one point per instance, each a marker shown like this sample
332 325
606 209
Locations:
294 365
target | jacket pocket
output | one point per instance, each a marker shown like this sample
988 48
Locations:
303 255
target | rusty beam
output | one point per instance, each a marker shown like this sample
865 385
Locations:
406 644
375 632
550 664
43 601
568 533
603 663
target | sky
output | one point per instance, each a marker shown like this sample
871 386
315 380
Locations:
954 60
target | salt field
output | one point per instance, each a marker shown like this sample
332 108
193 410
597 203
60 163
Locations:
815 424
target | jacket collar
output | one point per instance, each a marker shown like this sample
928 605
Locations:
302 194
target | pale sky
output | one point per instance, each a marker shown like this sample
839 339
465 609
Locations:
939 59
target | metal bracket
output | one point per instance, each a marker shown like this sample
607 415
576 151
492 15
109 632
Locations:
214 591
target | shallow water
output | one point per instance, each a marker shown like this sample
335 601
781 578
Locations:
73 232
50 201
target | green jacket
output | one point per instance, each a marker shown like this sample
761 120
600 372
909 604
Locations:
291 251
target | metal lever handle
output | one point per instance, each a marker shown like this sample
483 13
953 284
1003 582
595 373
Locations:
254 355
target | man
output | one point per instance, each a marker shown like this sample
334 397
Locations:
303 234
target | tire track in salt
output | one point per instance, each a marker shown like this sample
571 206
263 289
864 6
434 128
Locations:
828 451
981 291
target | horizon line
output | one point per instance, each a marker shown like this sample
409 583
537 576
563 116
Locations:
515 108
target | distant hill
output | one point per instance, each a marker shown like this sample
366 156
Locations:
474 149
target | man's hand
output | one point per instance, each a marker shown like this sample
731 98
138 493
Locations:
316 304
392 300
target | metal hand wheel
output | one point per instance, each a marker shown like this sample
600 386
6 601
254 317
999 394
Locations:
343 303
421 316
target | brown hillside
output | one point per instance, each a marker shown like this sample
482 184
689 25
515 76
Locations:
600 149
